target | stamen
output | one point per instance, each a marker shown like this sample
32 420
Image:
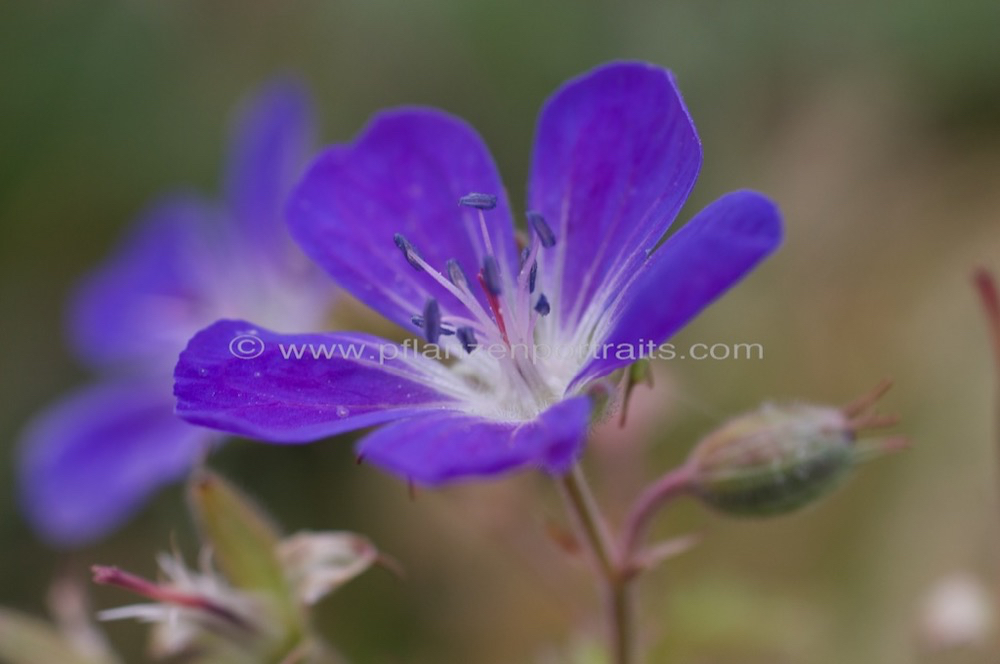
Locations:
479 201
464 295
486 234
411 255
528 255
491 275
467 336
419 322
432 321
456 274
542 306
526 278
542 229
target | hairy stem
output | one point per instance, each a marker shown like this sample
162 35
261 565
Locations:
989 296
615 585
618 565
675 483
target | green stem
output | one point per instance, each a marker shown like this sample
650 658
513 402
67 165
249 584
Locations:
615 585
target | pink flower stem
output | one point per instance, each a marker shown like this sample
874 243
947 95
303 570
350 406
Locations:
989 296
675 483
596 538
617 565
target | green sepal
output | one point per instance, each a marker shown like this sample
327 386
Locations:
244 543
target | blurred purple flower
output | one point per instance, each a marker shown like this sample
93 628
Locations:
615 157
88 461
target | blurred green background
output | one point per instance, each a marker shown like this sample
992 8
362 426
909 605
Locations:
876 126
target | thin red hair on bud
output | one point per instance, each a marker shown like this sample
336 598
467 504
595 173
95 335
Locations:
867 400
113 576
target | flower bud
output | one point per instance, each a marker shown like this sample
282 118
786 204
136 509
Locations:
782 457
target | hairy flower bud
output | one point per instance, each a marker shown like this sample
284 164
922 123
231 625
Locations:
782 457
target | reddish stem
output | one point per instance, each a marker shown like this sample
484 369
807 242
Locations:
112 576
614 585
989 296
672 485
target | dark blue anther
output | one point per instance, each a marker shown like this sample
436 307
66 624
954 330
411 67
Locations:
533 272
542 306
432 321
468 338
419 322
408 251
479 201
545 234
491 275
456 274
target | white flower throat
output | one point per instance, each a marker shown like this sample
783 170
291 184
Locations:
502 372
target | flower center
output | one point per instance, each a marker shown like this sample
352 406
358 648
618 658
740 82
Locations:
497 353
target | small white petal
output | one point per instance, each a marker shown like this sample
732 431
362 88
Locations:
143 612
319 563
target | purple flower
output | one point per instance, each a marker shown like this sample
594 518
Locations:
89 460
615 157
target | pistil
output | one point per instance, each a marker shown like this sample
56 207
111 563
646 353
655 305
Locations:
492 298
